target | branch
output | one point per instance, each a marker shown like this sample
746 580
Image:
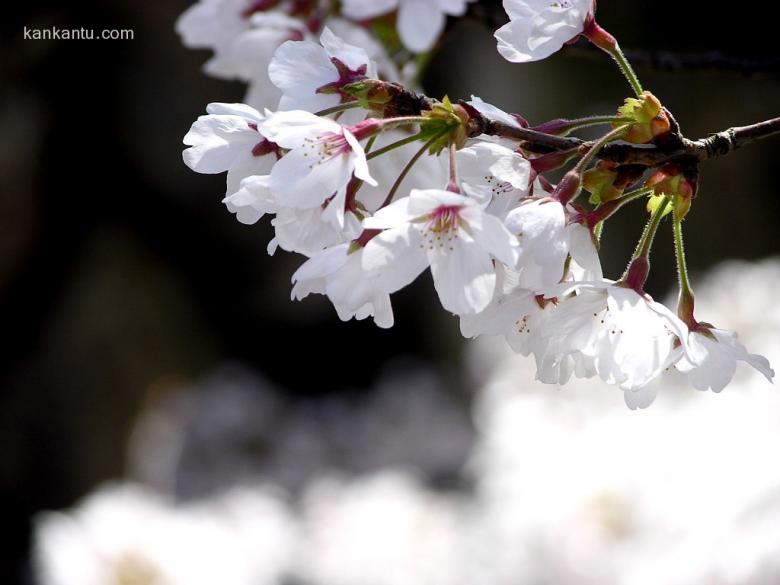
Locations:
716 145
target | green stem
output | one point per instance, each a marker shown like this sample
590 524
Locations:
606 210
646 241
393 146
638 270
685 302
408 167
626 69
595 121
596 147
338 109
570 186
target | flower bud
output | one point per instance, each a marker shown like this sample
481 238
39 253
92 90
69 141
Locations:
674 182
370 92
645 119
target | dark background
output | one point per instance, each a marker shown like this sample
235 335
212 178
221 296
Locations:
121 274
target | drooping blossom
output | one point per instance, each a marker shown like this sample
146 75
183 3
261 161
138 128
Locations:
539 28
449 232
420 22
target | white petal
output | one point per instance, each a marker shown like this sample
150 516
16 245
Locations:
420 22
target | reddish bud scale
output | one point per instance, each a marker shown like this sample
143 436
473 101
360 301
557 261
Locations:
366 129
346 77
636 275
363 239
552 161
597 35
568 188
557 127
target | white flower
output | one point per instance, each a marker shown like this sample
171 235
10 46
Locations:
229 139
212 24
308 231
547 239
247 58
494 113
494 175
520 315
322 159
711 359
420 22
628 338
448 232
253 200
360 37
338 273
311 76
539 28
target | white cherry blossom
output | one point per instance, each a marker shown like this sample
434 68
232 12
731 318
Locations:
323 157
338 272
547 238
450 233
253 200
420 22
494 175
247 58
629 338
229 139
308 231
539 28
710 361
311 75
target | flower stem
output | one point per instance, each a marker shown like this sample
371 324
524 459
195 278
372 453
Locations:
607 43
606 210
646 241
685 301
597 146
408 167
338 109
638 270
625 67
393 146
570 186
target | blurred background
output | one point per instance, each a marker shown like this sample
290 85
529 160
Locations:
148 336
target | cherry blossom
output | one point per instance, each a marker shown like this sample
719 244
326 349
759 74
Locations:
229 139
628 338
308 231
311 75
420 22
547 239
494 175
539 28
322 159
338 272
448 232
253 200
711 359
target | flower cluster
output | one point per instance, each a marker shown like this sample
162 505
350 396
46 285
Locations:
458 189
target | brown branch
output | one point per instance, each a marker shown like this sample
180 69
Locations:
716 145
672 147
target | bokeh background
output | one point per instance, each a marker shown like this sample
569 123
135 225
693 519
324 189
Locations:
124 282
